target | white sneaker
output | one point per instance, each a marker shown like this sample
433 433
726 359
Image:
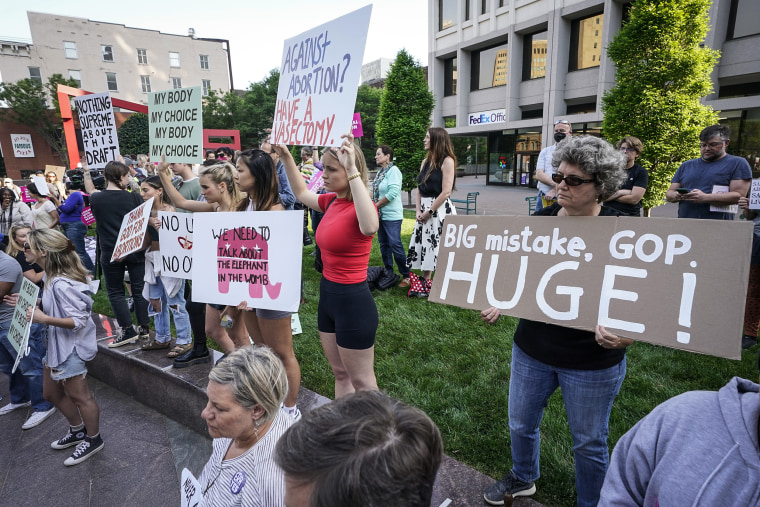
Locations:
294 412
10 407
37 418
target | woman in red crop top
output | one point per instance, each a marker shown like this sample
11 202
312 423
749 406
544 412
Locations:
347 315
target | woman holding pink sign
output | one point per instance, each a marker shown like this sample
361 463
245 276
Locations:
70 218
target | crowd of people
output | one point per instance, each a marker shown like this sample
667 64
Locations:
364 448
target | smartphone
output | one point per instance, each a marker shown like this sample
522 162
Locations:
683 190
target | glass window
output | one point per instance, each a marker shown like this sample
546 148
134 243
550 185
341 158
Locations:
501 3
585 47
173 59
484 6
466 10
204 62
70 50
447 14
743 17
534 55
206 86
450 122
35 74
489 68
142 56
176 83
145 83
449 77
76 76
107 52
113 85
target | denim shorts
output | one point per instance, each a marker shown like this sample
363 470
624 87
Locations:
73 366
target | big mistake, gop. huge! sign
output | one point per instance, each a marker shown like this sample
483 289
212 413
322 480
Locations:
665 281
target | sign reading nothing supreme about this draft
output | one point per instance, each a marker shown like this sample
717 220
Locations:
252 256
132 231
319 77
175 124
101 144
670 282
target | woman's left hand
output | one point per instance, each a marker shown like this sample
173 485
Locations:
37 313
346 154
424 216
154 222
608 340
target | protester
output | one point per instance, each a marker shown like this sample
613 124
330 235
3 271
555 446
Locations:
189 185
221 194
16 240
59 189
347 315
363 449
27 381
109 207
627 199
8 183
163 292
12 212
70 218
714 179
225 154
44 213
699 448
142 166
257 178
285 187
588 367
563 129
386 194
245 391
434 185
210 155
66 311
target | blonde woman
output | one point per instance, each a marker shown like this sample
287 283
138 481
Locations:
15 249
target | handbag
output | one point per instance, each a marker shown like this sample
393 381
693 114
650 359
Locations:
418 286
318 266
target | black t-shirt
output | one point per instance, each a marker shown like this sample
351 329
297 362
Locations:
637 177
26 266
434 184
109 208
565 347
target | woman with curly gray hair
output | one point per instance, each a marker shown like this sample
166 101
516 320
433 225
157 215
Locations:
588 367
245 392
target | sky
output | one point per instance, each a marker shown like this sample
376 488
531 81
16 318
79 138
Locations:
256 29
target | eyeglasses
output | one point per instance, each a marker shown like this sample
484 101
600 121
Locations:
562 121
571 180
27 247
711 145
627 150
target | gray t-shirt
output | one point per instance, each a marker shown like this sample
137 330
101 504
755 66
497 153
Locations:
10 271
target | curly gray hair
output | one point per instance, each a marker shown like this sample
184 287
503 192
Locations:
595 157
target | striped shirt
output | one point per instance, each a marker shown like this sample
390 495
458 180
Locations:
251 479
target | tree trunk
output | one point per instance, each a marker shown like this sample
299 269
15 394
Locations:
647 212
409 197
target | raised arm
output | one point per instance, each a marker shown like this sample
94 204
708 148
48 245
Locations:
365 209
297 183
178 199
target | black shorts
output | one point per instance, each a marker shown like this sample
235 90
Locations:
349 311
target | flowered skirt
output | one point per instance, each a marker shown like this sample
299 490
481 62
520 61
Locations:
423 247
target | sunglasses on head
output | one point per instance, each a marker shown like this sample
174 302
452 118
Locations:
571 180
562 121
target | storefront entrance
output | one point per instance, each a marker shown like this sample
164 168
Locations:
512 156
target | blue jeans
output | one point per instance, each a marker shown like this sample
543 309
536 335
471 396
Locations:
588 396
539 200
26 382
177 306
76 231
389 237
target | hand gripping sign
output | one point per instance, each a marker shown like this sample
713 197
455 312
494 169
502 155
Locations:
18 333
132 231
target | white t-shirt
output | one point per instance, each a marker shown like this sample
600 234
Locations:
41 215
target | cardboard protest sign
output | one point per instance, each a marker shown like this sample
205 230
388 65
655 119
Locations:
176 238
356 126
59 171
754 195
175 123
18 333
653 280
87 217
257 255
22 145
319 77
101 144
132 231
191 493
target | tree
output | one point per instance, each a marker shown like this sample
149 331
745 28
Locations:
405 110
133 134
27 101
368 106
662 71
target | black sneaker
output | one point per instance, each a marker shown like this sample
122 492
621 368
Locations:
125 336
192 357
509 485
144 332
85 450
71 438
748 341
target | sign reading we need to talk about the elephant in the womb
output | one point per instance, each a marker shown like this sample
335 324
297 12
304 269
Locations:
250 256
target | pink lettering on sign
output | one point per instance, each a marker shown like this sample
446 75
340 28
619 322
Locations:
26 196
356 125
87 217
243 257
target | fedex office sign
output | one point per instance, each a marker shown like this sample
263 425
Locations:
485 117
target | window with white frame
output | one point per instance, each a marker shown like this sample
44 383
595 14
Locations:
35 74
206 86
176 83
76 76
107 52
70 50
113 85
142 56
145 83
173 59
204 62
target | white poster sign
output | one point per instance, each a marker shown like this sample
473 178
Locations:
754 195
175 124
101 144
319 78
250 256
190 494
132 231
176 238
22 145
18 333
41 184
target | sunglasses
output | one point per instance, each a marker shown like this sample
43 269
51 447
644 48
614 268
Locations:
571 180
562 121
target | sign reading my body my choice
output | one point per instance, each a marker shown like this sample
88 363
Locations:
101 144
175 123
662 281
319 78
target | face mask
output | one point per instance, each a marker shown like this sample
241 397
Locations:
558 136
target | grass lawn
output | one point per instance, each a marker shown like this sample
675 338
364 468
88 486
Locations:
448 363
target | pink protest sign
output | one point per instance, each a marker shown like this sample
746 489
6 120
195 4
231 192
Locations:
316 183
87 217
356 125
26 196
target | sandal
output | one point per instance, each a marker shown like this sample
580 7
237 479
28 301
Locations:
154 345
404 283
178 350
